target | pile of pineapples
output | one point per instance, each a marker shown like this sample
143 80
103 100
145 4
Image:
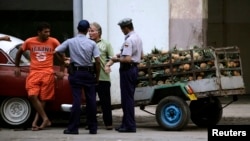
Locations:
165 67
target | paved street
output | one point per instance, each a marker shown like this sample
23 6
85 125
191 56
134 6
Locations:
147 128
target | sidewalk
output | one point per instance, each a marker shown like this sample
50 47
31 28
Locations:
239 108
236 114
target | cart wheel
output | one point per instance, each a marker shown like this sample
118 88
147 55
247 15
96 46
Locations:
172 113
15 112
206 111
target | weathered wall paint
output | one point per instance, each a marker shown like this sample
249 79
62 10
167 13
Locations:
187 23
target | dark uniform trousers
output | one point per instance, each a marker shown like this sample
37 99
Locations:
103 90
128 79
86 80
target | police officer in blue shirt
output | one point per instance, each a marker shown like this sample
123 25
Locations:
82 75
130 56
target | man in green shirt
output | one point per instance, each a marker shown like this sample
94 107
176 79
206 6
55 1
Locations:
103 88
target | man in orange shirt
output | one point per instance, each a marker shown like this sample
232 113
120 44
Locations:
40 81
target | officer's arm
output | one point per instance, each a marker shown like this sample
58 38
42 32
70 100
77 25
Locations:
124 59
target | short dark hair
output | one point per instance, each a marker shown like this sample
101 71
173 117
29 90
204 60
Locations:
83 30
129 26
83 26
43 25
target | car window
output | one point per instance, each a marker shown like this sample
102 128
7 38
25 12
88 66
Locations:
3 58
25 58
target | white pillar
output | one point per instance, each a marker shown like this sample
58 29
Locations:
77 14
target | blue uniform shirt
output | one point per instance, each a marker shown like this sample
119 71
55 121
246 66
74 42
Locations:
82 50
132 47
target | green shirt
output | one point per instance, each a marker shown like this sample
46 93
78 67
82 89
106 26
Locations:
106 51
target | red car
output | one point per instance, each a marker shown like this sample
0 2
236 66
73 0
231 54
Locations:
15 108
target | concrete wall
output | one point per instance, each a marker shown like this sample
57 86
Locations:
229 25
187 23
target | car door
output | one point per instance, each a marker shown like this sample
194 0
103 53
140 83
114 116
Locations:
10 84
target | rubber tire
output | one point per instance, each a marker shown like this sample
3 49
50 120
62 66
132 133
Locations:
15 113
172 113
206 111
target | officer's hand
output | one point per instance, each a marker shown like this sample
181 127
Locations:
17 72
118 55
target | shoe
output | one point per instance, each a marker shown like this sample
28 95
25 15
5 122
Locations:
92 132
117 128
126 130
109 127
66 131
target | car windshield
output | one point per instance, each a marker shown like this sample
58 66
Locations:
25 59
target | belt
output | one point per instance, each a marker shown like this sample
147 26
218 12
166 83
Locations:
125 66
83 68
130 64
133 64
